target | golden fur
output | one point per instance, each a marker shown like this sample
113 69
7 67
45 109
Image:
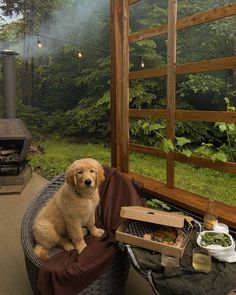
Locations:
72 207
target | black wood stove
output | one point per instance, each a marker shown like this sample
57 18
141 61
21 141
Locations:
15 138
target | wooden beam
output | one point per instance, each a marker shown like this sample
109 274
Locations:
185 115
189 201
207 16
227 167
149 73
207 116
147 150
171 89
220 64
133 1
186 22
119 83
149 33
148 113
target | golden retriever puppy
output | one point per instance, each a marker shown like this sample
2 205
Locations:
72 207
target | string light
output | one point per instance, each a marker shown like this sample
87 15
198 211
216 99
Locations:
142 64
67 42
75 43
39 44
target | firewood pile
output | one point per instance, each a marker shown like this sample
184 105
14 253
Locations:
9 155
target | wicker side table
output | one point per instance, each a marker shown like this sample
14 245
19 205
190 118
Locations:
111 282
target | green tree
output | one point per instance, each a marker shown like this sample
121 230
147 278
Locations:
73 93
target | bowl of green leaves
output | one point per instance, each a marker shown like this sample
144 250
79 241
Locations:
215 242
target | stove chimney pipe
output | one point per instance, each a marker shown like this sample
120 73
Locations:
9 83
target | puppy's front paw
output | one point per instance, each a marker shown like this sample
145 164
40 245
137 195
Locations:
97 232
81 246
68 246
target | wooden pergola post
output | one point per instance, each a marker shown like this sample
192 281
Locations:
119 10
171 89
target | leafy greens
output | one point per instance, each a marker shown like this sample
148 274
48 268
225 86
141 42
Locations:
212 238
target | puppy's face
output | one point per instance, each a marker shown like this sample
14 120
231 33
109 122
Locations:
85 175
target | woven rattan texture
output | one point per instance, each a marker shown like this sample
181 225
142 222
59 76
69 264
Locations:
111 282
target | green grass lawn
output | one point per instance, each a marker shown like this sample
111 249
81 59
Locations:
206 182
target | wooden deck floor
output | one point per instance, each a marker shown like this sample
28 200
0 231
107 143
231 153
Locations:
13 276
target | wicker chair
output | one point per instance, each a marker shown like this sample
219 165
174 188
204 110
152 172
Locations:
111 282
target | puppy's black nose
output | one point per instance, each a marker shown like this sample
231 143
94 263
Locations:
88 182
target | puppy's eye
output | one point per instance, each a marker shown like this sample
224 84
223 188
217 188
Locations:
92 171
80 172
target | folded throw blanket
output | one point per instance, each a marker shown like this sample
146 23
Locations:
69 273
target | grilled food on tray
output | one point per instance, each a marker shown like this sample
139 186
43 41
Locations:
165 234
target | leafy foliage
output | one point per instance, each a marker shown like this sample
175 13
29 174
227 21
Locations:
230 131
70 95
157 204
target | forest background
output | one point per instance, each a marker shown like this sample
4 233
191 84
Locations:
63 72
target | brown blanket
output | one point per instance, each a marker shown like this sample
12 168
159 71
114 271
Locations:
69 273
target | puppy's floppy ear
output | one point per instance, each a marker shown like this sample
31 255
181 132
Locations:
100 174
70 179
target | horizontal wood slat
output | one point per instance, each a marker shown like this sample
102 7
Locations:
186 22
207 116
148 113
219 64
184 199
133 1
149 73
183 115
227 167
149 33
138 148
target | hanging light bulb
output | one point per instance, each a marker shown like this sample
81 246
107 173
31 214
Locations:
79 54
142 64
39 44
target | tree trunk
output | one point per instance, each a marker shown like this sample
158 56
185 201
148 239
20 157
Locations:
234 54
28 57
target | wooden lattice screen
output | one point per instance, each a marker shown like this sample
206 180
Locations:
120 76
